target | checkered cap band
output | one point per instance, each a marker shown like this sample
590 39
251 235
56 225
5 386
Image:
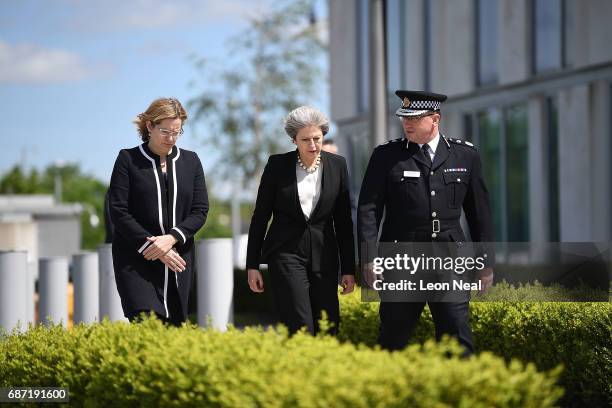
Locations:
424 105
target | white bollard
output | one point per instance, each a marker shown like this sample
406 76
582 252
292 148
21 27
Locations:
13 290
31 292
53 289
215 282
86 291
240 246
110 302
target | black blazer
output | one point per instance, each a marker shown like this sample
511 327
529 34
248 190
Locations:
144 202
330 224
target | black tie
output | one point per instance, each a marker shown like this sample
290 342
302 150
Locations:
425 149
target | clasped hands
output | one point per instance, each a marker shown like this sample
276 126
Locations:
161 248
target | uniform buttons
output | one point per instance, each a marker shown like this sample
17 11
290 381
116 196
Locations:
433 214
433 235
402 179
431 173
395 241
433 193
458 179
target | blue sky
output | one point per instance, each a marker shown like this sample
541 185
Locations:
74 74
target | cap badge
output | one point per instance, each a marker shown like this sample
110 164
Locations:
406 103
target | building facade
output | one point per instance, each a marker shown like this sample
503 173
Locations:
529 83
37 224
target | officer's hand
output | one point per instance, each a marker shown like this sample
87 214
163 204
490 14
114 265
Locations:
369 275
255 280
485 276
348 284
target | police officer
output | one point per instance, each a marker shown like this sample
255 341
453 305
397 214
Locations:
422 182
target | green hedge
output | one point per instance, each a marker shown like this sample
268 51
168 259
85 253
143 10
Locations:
577 335
151 365
536 292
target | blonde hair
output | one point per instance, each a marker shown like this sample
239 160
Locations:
158 110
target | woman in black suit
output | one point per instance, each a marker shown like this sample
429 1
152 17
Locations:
306 193
158 201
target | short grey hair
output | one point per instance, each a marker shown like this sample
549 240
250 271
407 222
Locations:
304 116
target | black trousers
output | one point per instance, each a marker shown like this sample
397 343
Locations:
173 302
398 319
301 294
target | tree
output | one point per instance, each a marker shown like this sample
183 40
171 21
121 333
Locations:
277 69
15 182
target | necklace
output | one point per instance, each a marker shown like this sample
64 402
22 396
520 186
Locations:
309 169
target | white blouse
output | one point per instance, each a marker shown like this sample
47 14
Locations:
309 188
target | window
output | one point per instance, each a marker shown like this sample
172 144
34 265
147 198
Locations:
548 35
363 56
394 47
394 51
489 135
517 174
502 140
487 41
428 40
552 135
396 56
468 129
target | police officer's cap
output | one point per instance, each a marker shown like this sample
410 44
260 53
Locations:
416 103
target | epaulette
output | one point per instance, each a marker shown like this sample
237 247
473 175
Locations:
461 142
394 141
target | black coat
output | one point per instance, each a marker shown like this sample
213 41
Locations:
423 201
330 224
142 206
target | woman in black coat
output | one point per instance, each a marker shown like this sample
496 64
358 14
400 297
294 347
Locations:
306 193
158 201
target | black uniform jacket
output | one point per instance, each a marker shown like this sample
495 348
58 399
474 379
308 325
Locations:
423 201
330 225
144 203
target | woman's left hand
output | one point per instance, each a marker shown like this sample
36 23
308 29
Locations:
159 246
173 261
348 284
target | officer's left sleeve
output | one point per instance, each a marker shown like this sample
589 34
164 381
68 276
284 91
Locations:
477 208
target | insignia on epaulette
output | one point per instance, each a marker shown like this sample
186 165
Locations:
461 142
394 140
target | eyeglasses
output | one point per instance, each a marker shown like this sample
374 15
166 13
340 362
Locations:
170 133
415 118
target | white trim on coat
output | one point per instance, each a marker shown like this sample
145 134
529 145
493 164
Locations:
144 246
178 154
161 222
180 232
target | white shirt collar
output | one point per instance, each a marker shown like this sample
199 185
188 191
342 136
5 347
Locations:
433 144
